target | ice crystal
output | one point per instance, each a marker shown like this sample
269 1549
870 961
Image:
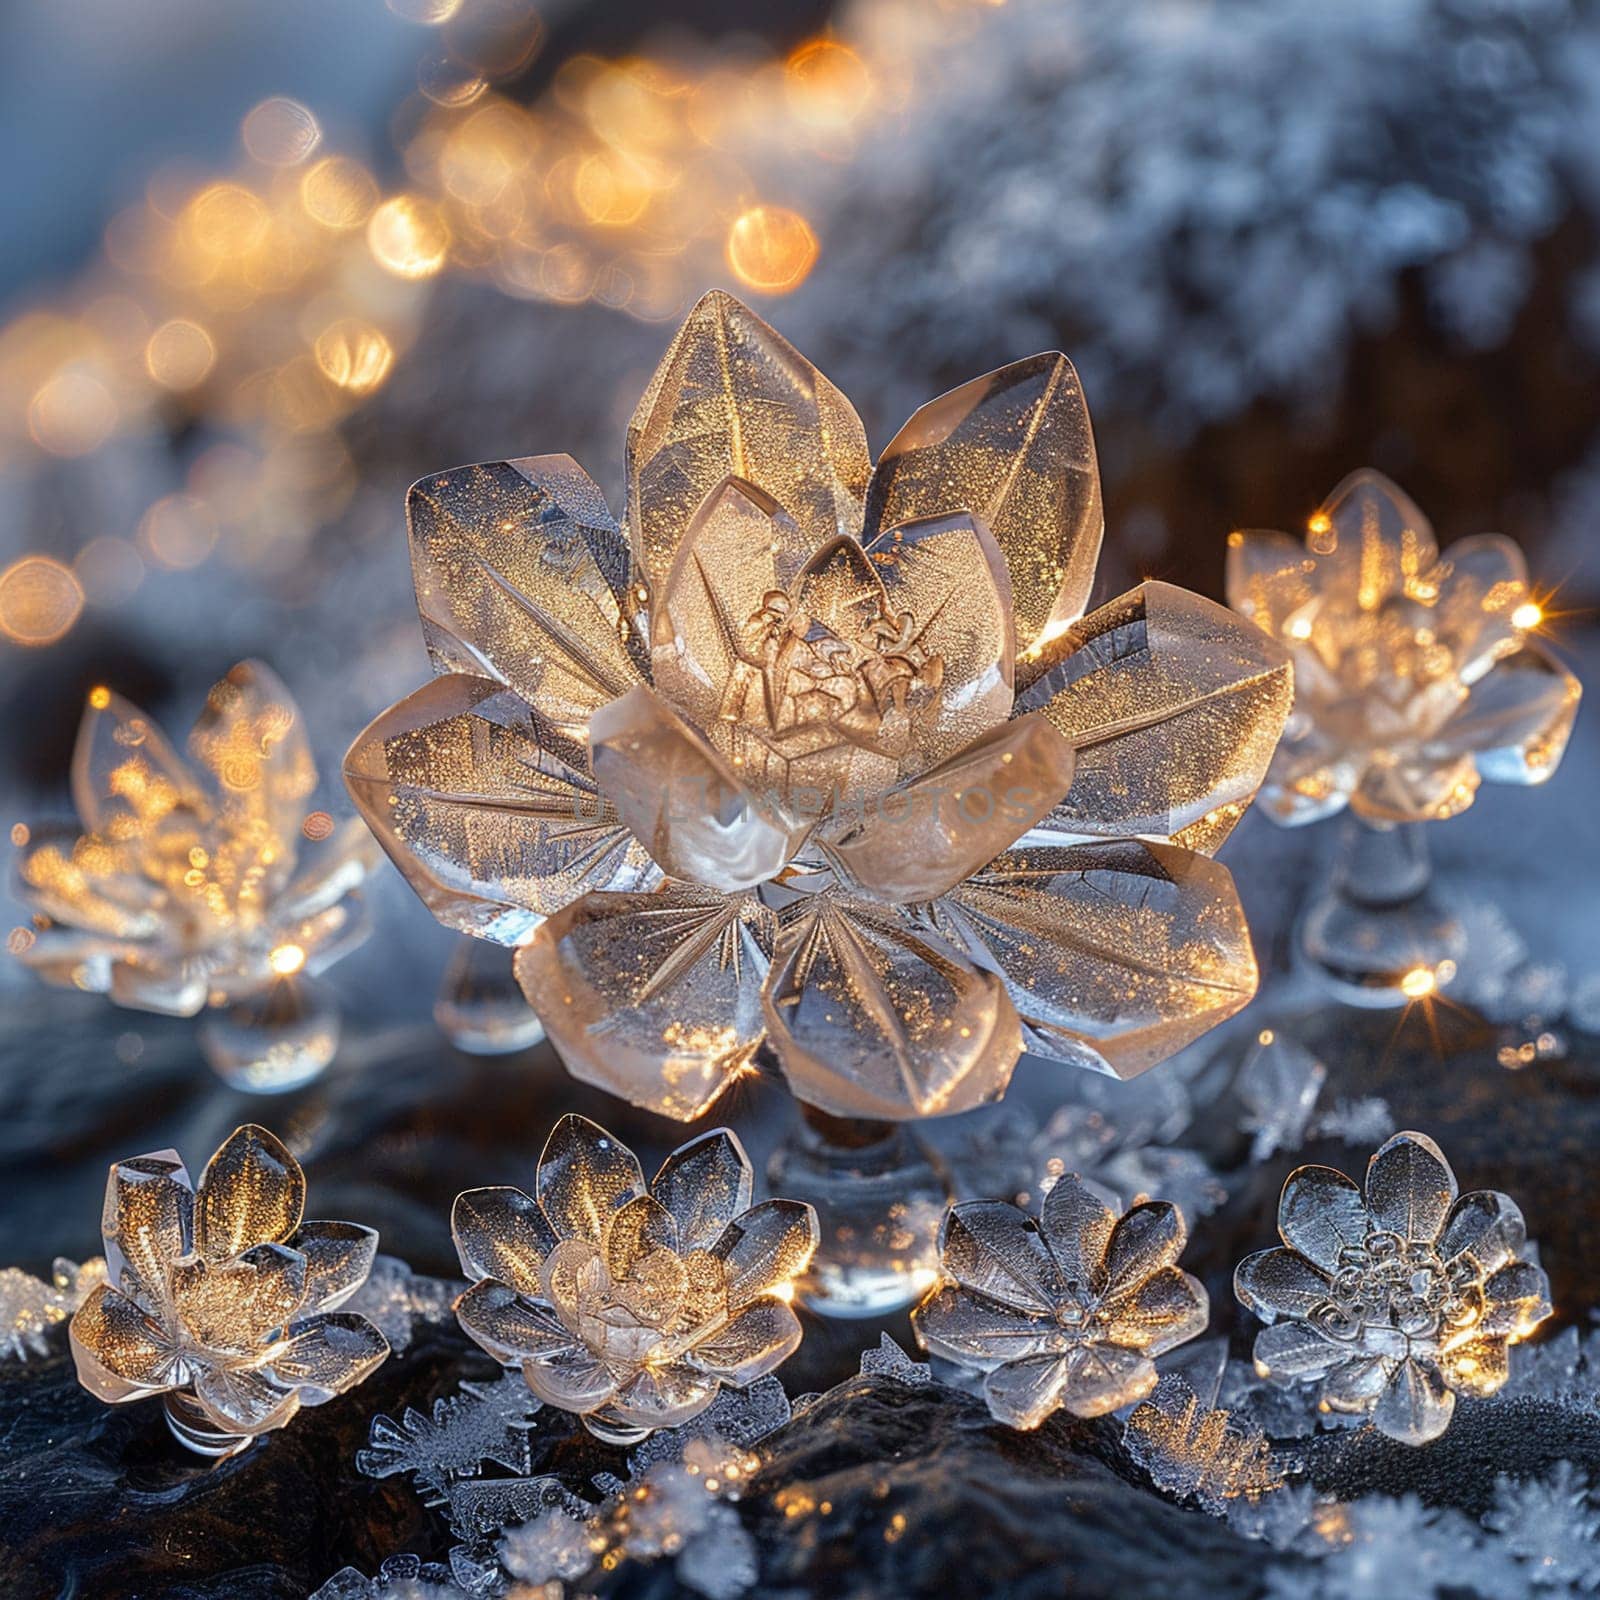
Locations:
402 1577
30 1308
1190 1451
1278 1084
1553 1526
888 1360
394 1299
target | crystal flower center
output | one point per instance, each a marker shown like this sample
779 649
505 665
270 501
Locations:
1388 1281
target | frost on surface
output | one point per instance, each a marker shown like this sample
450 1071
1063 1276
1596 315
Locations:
1191 1451
30 1308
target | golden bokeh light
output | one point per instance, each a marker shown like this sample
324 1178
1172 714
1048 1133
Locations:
280 132
353 355
39 600
827 84
771 249
287 959
109 570
408 237
178 531
494 38
179 354
317 826
338 193
612 189
71 413
1527 616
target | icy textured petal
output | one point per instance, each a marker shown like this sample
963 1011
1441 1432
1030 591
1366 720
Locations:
244 1401
491 826
947 590
1415 791
682 800
1106 1377
252 1192
148 981
733 398
998 1250
522 575
766 1248
1016 449
571 1379
1174 706
1516 721
1518 1297
1149 1238
1167 1309
705 1184
1481 583
339 1257
501 1233
1488 1224
1115 954
664 1396
642 1227
1369 539
761 1337
328 1353
147 1222
511 1327
1478 1367
586 1176
1023 1393
873 1016
120 1353
1410 1187
920 839
1354 1385
86 882
655 997
975 1331
1269 579
128 783
234 1305
1320 1212
1415 1406
1078 1225
1278 1283
1293 1352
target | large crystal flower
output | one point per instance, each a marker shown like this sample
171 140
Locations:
184 882
1397 1301
755 772
1414 673
629 1305
221 1297
1066 1312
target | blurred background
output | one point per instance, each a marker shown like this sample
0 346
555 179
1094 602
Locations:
266 265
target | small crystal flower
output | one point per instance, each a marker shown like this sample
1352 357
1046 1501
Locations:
1068 1312
757 773
1396 1302
183 884
632 1306
1414 673
221 1298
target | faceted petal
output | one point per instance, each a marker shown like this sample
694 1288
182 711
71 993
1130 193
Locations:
1163 1311
925 836
1488 1224
1478 1367
1269 579
654 997
761 1337
147 1223
1410 1187
766 1248
252 740
586 1176
1115 954
1279 1283
1294 1352
328 1354
1518 1297
127 780
733 398
501 1233
705 1184
339 1257
491 826
511 1327
1320 1212
1023 1393
1516 721
120 1353
522 575
640 1228
682 800
1014 448
1481 583
705 1293
998 1250
242 1400
1078 1225
1415 791
1355 1385
85 882
1174 706
331 871
252 1192
973 1330
571 1379
1148 1239
663 1396
948 594
147 980
573 1280
740 552
1415 1406
234 1305
873 1016
1311 776
1369 539
1106 1377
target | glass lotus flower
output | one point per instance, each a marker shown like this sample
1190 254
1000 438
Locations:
221 1298
185 882
632 1305
1415 673
1066 1312
1397 1300
753 774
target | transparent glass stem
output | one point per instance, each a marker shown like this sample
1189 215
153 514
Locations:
1380 867
194 1430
